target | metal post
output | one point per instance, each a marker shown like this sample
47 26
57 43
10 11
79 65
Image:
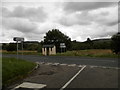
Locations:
22 49
17 49
61 50
17 39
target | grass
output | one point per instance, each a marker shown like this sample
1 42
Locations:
13 69
21 52
0 71
82 53
90 53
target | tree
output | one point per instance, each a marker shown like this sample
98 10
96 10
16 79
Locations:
89 43
89 40
56 37
4 46
115 45
39 49
12 47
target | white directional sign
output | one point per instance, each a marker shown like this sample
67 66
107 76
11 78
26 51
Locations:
62 45
18 39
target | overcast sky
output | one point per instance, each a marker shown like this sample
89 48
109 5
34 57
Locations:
78 20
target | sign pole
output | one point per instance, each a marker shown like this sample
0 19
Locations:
17 49
17 39
62 47
22 49
61 50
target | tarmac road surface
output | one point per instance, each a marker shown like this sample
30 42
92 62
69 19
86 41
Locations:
57 76
107 62
63 77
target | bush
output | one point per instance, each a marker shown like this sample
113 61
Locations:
115 44
12 47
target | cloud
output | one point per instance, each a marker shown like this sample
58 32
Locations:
21 25
94 30
82 6
106 16
78 20
119 12
86 13
33 14
74 18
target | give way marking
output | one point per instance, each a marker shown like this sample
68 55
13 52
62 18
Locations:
73 77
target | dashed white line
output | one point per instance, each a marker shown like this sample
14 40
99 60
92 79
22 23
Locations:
72 65
63 64
104 67
48 63
55 64
73 78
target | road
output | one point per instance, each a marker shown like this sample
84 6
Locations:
107 62
96 78
58 76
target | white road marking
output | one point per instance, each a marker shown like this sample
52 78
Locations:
104 67
55 64
41 62
48 63
73 78
63 64
29 85
81 65
72 65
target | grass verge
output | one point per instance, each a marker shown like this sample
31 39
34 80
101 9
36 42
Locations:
13 69
82 53
90 53
21 52
0 72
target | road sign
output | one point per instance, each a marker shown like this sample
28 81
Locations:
18 39
62 45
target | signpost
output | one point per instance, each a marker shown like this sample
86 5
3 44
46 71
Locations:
62 46
17 39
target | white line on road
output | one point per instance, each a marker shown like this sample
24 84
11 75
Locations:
73 78
104 67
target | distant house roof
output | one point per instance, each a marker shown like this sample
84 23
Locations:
50 46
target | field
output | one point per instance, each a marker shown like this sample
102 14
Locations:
13 69
21 52
90 53
0 72
82 53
